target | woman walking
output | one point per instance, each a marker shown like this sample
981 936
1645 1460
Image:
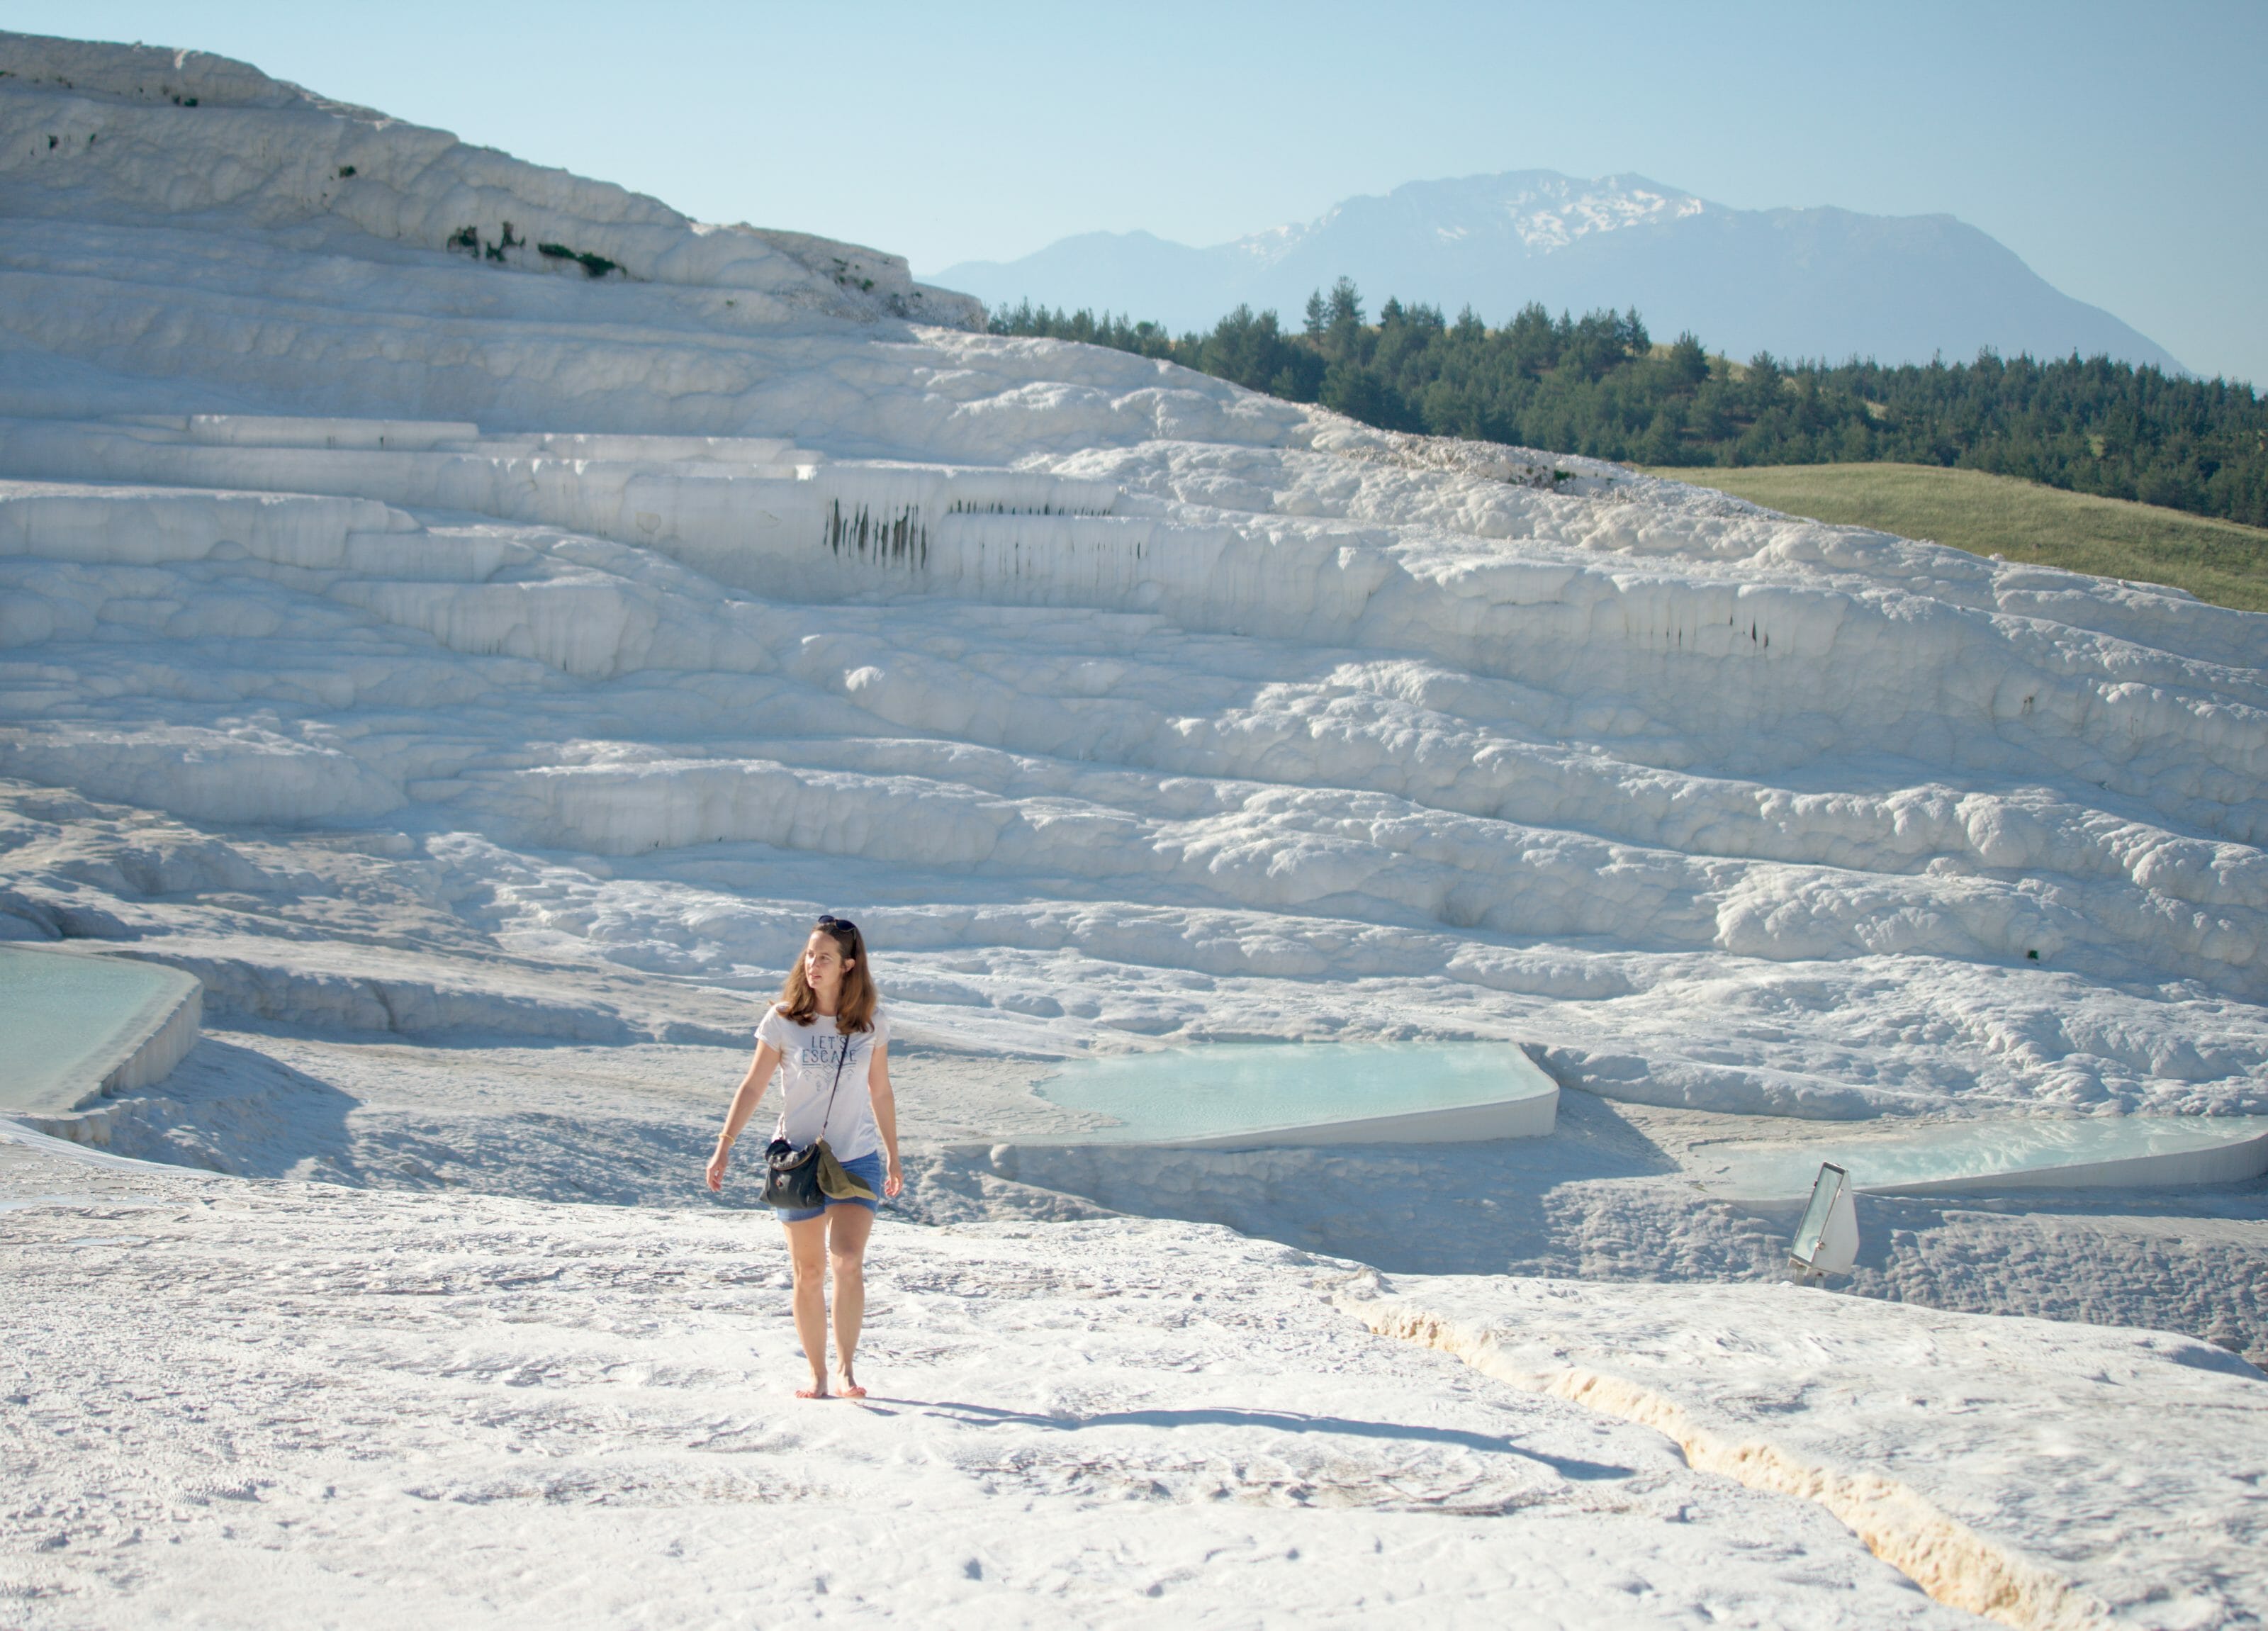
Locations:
829 1034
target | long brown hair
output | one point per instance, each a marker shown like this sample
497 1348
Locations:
854 1003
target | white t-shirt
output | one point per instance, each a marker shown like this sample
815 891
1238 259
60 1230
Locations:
808 1057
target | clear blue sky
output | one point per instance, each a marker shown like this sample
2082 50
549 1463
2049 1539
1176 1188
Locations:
2121 150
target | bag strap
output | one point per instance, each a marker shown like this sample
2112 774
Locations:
841 1060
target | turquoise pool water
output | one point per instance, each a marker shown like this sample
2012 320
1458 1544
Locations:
1967 1149
1233 1089
64 1018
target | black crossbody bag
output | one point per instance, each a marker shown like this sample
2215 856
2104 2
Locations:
791 1175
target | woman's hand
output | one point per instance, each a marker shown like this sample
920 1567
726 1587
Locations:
717 1163
895 1183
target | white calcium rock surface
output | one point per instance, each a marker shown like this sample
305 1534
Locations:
654 610
330 1404
2039 1473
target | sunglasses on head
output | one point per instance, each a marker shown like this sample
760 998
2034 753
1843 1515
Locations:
835 925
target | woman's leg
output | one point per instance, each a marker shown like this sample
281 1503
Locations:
847 1230
807 1246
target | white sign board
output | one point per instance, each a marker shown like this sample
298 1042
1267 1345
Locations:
1827 1240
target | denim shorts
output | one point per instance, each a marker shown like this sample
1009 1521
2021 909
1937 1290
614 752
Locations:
867 1169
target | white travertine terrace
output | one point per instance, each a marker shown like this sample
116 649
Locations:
1236 717
1589 754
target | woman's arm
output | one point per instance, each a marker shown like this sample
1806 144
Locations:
745 1099
886 1115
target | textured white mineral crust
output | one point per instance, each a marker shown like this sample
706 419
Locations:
1118 699
350 1407
345 1406
2038 1474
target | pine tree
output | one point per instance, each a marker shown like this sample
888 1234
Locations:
1346 303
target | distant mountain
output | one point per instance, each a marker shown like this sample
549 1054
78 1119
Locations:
1798 283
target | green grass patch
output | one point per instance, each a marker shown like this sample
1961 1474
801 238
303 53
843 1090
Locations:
2214 560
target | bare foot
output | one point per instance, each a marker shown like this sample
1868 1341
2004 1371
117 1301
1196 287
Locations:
813 1392
850 1388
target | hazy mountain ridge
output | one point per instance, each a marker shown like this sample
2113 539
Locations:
1822 282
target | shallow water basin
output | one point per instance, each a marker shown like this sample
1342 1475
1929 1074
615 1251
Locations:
1978 1156
68 1022
1232 1094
